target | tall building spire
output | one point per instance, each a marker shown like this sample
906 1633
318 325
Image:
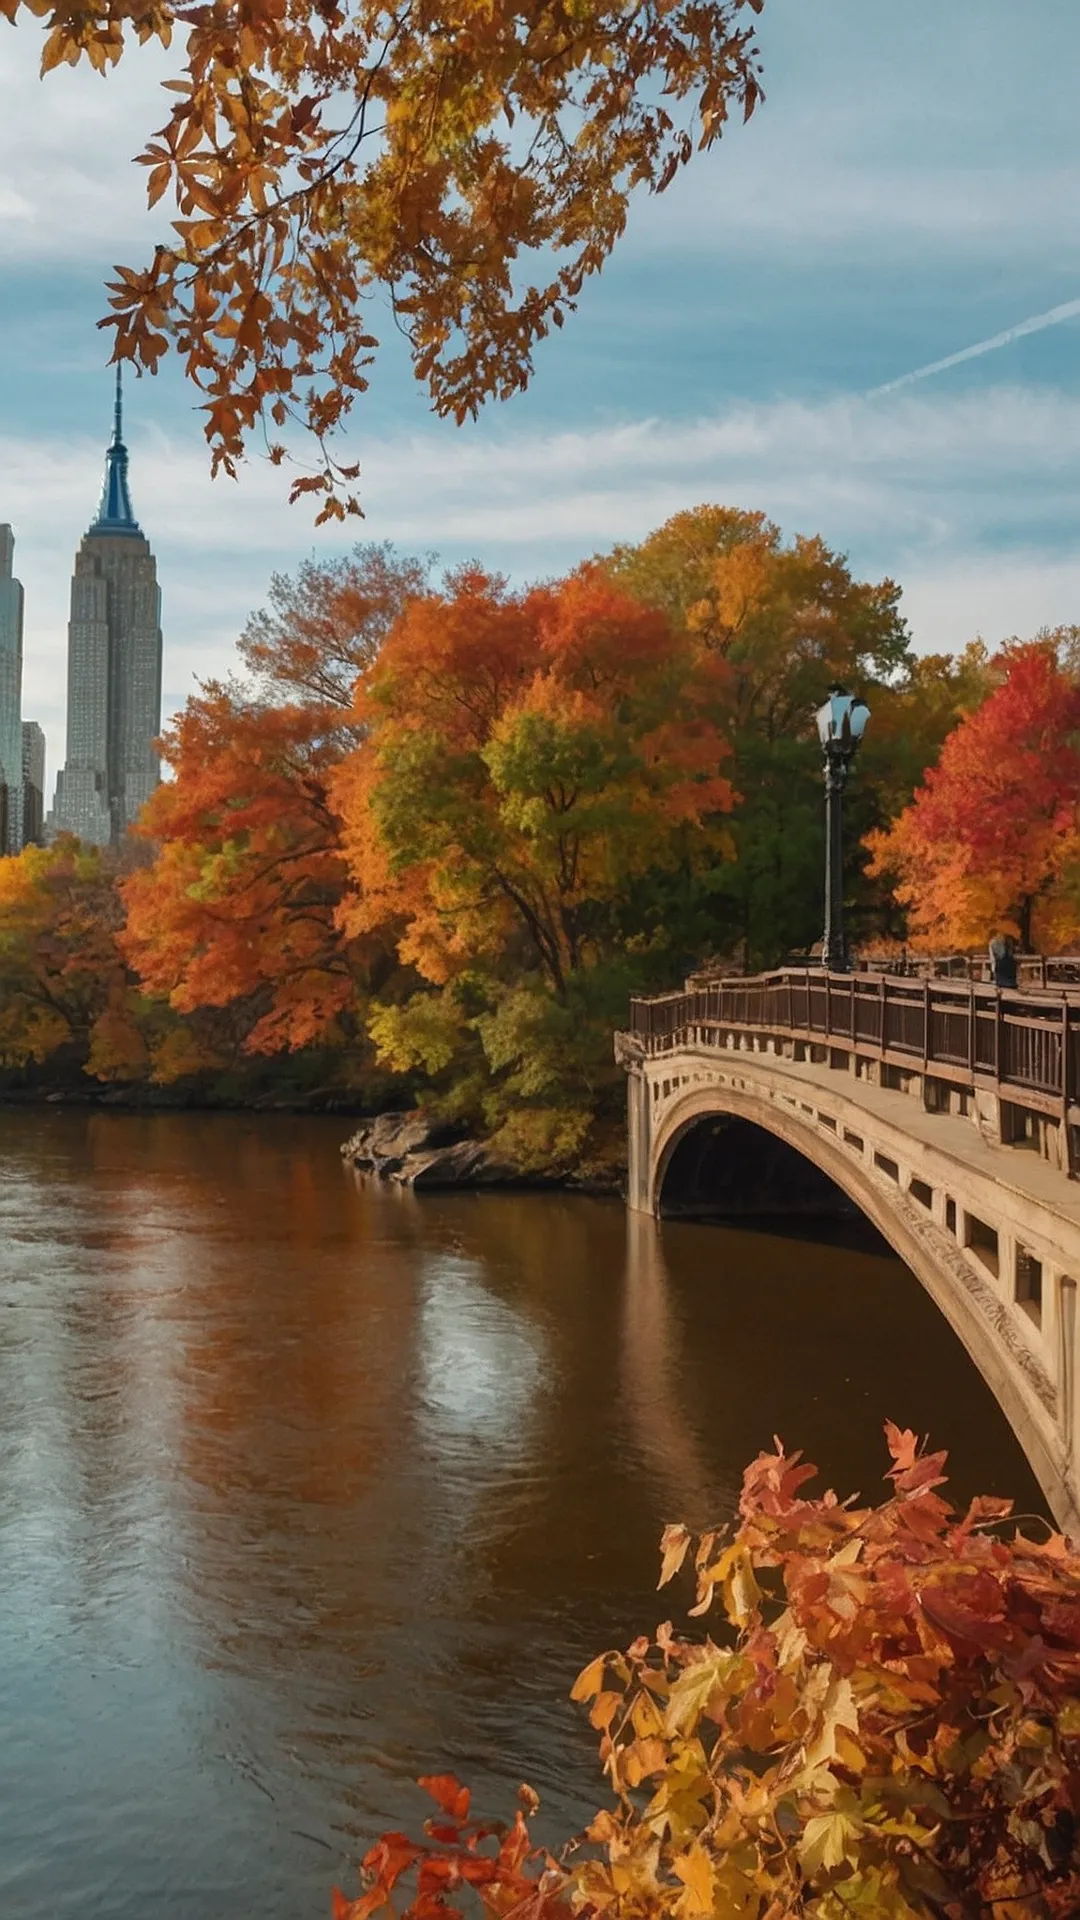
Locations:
115 514
114 667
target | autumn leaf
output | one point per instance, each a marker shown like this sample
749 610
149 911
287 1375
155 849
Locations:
268 194
590 1680
734 1574
694 1689
604 1709
903 1446
828 1840
832 1760
697 1870
838 1713
673 1546
448 1793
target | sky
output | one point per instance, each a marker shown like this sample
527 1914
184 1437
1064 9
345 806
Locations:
909 190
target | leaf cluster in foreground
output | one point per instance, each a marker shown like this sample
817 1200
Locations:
885 1721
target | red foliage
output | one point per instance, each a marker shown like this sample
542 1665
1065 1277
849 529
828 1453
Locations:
985 843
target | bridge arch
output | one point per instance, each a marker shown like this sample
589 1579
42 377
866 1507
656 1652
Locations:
1039 1410
695 1108
724 1165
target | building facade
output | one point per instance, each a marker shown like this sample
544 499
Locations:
11 660
33 773
114 668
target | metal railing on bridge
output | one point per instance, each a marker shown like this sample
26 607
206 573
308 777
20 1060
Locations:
1032 969
1025 1045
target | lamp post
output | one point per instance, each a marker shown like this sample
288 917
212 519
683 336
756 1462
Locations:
841 723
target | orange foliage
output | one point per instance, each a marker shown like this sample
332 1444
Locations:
883 1721
789 620
988 843
326 623
240 902
525 757
62 978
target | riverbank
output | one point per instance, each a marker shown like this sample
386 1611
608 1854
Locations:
144 1099
304 1084
410 1149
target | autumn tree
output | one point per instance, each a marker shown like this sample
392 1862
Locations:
325 624
914 715
237 908
64 988
530 760
881 1721
990 842
527 755
325 154
788 620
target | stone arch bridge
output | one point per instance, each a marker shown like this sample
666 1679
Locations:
946 1112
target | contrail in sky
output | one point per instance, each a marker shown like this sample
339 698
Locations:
1068 311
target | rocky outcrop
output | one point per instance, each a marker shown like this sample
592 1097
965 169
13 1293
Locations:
414 1151
417 1152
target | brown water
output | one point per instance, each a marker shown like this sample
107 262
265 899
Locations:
307 1487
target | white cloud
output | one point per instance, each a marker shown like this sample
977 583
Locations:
67 146
914 485
992 595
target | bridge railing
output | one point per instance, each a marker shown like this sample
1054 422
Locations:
1023 1043
1032 969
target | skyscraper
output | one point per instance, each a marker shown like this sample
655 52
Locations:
114 667
11 655
33 772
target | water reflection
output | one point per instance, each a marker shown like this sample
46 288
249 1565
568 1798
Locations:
306 1487
652 1381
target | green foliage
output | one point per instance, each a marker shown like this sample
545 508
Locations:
787 621
544 1140
532 1070
425 1032
768 899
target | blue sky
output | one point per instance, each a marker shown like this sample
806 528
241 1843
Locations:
911 186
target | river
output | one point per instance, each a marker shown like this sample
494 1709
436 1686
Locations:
309 1486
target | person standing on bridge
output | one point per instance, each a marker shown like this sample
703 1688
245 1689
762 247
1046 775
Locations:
1003 960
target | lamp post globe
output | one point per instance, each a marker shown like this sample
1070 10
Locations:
841 723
